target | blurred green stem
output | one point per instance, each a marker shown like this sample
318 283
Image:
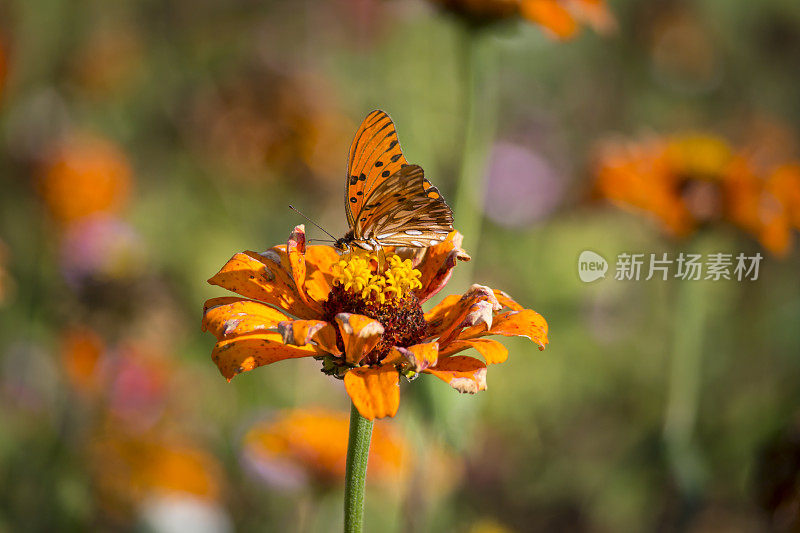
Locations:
684 387
356 471
479 124
447 412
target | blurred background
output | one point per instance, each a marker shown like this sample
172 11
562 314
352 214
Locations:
142 144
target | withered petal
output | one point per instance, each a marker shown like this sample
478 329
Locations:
437 264
525 323
507 301
465 374
230 317
475 307
419 356
263 277
240 354
315 332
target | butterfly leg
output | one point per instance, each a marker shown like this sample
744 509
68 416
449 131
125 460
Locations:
381 258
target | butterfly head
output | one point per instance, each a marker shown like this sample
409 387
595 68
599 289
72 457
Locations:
343 244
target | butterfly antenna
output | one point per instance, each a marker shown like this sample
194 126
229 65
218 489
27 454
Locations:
317 225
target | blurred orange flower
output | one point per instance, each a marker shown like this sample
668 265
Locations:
561 18
784 185
83 176
311 444
365 324
128 380
292 129
81 354
127 468
696 179
749 206
639 176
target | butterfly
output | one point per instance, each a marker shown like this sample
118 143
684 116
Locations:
389 202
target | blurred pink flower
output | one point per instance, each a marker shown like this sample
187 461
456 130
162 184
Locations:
138 386
522 186
100 248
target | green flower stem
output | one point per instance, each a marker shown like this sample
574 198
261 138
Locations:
685 384
479 128
356 472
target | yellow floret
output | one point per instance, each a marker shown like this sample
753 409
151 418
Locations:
699 155
357 273
401 277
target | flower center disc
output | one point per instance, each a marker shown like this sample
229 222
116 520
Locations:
384 296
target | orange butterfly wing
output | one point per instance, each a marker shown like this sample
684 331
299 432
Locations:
405 212
375 156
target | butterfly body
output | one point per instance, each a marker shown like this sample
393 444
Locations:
350 239
388 201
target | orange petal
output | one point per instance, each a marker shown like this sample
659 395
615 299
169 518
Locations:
525 323
476 306
240 354
465 374
776 235
435 317
507 301
437 265
262 277
295 251
221 300
420 356
551 15
360 335
230 317
304 332
319 260
492 351
375 391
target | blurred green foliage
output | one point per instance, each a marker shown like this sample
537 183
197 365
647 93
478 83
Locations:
226 111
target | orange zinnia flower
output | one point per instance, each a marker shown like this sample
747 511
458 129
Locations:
693 180
639 176
84 176
304 444
366 325
562 18
128 467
